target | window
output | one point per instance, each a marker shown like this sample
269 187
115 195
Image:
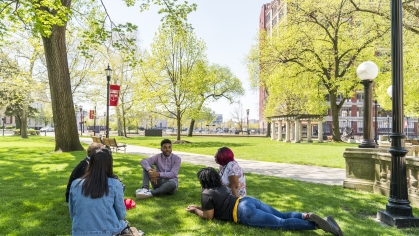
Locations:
359 111
360 97
345 111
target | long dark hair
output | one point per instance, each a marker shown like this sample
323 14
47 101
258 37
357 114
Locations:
209 178
96 177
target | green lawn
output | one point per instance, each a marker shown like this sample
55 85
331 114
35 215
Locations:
33 183
257 148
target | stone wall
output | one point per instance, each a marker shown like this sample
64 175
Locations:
368 169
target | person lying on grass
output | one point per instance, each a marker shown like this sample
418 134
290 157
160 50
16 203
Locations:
218 203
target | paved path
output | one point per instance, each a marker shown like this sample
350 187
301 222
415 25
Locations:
314 174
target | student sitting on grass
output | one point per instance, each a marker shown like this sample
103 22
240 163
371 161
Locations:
96 201
218 203
164 178
232 175
80 169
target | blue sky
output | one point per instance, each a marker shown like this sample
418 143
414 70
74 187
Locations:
228 27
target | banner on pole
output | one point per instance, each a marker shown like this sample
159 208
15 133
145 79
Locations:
91 114
113 95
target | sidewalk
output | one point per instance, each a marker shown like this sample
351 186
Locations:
314 174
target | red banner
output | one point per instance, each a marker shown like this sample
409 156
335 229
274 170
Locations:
113 95
91 114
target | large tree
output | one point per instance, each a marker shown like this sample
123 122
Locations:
213 82
168 82
316 48
49 19
410 42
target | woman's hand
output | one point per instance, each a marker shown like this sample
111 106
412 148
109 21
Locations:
191 208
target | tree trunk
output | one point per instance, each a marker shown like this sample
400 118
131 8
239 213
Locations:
191 126
66 134
335 118
268 130
24 124
178 124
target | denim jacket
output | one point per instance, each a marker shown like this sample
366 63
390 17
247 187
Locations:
100 216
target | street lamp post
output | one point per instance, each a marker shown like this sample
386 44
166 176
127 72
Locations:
376 123
3 119
81 120
247 121
108 78
367 72
94 122
398 211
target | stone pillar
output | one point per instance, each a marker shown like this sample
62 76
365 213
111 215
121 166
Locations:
272 130
280 130
292 128
287 131
320 131
297 131
301 130
309 132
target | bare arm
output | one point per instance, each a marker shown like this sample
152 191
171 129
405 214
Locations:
234 184
207 215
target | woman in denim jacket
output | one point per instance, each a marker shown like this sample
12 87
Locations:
96 201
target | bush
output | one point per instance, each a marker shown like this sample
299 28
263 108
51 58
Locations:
30 132
10 127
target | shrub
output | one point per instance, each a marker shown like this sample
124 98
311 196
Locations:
30 132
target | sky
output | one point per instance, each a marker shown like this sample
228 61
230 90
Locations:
228 27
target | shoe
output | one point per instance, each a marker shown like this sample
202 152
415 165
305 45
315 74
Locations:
320 222
336 230
143 194
141 190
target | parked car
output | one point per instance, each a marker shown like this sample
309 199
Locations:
47 129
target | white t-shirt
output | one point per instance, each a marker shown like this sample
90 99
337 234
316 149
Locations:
233 168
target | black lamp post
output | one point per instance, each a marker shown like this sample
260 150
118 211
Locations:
398 211
376 123
247 121
367 72
81 120
108 78
94 122
3 119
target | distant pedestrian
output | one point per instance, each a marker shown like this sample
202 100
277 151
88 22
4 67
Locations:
161 170
218 203
232 175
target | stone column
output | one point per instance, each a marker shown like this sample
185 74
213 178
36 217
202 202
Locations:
320 131
272 130
297 131
309 132
287 131
292 128
280 130
301 130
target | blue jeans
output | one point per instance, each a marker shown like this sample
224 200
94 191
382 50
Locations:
252 212
163 185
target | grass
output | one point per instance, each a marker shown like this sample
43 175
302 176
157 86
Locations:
256 148
34 179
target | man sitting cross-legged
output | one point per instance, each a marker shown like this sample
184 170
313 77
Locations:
164 178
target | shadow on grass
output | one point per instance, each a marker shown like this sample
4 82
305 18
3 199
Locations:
34 180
